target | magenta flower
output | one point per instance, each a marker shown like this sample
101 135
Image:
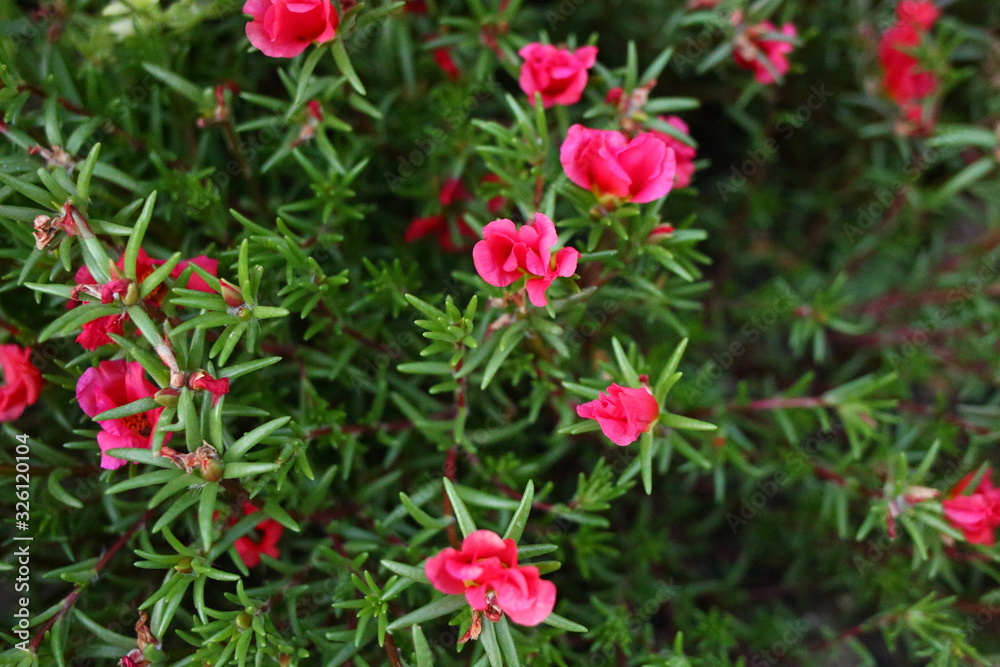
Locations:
22 382
977 514
753 43
485 569
560 75
609 165
113 384
623 413
506 253
284 28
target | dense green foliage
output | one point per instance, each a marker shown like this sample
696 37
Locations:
829 295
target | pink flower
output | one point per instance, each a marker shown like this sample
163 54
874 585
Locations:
977 514
284 28
269 532
609 165
623 413
506 253
560 75
485 569
683 153
113 384
753 44
902 78
22 382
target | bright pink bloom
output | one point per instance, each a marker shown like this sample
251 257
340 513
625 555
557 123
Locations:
22 382
624 413
753 44
284 28
485 569
560 75
506 253
977 514
269 532
683 153
113 384
608 164
903 79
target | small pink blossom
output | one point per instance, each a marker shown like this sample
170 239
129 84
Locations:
623 413
113 384
507 252
976 514
609 165
754 43
560 75
684 153
22 382
284 28
485 569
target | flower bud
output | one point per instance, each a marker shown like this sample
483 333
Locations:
167 397
232 294
659 233
183 566
212 471
244 621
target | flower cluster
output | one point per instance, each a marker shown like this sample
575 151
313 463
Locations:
904 79
485 570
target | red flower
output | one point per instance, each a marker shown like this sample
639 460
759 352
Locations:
902 78
284 28
560 75
753 44
506 253
22 382
485 569
684 154
609 165
269 531
202 381
452 193
113 384
977 514
624 413
94 334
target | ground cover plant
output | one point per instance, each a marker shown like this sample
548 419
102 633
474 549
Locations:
434 332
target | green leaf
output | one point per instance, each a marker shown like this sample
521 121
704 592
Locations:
629 375
506 641
410 572
488 640
436 609
346 68
133 408
517 522
138 233
681 422
462 516
422 650
243 445
206 512
557 621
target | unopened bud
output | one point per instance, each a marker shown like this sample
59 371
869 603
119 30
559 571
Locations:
212 471
659 233
167 397
232 294
244 621
131 296
183 566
